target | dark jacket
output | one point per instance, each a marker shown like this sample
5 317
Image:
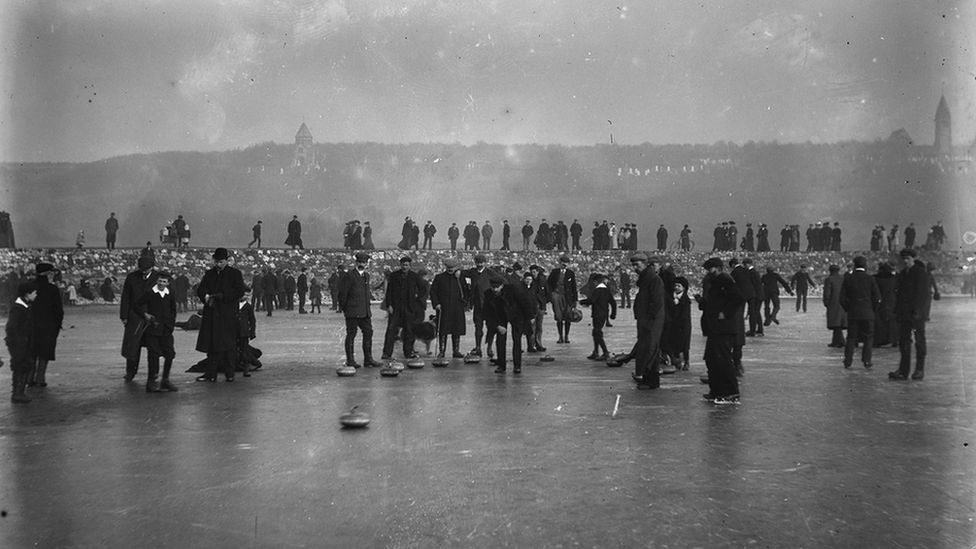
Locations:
911 293
452 294
163 310
401 293
569 280
302 284
47 314
860 296
720 295
18 331
800 280
602 304
136 283
354 294
649 301
836 317
514 306
743 281
771 283
218 332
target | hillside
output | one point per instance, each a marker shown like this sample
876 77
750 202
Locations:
222 194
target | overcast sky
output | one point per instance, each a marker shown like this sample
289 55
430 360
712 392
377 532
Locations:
89 79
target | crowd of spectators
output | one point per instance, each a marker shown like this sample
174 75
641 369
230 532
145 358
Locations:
95 273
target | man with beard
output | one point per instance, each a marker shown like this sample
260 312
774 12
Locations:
220 291
136 283
719 302
354 300
449 294
399 302
508 307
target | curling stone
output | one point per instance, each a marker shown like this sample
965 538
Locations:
415 363
398 366
471 359
547 358
389 372
440 362
354 420
345 371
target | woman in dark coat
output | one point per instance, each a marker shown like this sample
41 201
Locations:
47 314
220 291
108 294
449 295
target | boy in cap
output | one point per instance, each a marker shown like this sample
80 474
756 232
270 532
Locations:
18 336
158 308
603 307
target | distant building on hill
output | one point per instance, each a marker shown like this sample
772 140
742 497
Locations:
943 130
304 148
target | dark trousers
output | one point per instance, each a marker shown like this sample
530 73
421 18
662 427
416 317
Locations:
479 326
859 329
454 244
774 300
429 243
224 361
365 325
290 299
905 331
159 346
599 344
500 346
625 298
647 351
755 316
256 239
301 302
721 370
110 241
398 321
801 297
269 302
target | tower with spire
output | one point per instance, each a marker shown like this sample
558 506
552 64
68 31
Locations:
304 148
943 130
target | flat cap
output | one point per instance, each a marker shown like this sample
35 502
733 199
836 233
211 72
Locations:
713 262
362 256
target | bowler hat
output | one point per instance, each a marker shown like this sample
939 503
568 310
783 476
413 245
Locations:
712 262
220 253
42 268
362 256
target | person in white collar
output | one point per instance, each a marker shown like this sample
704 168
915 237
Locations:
18 330
158 308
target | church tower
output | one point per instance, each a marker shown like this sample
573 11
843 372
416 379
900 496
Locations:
943 130
304 149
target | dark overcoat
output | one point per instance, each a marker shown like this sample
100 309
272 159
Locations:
720 295
136 283
47 313
836 317
911 293
218 333
860 296
354 294
452 294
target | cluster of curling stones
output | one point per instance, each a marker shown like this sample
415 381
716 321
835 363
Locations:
393 368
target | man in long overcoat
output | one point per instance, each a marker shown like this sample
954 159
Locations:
47 314
111 229
449 295
836 317
649 313
220 291
294 234
136 283
302 288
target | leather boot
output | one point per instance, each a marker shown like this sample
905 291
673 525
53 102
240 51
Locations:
20 383
441 346
919 373
165 384
350 359
456 345
40 373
